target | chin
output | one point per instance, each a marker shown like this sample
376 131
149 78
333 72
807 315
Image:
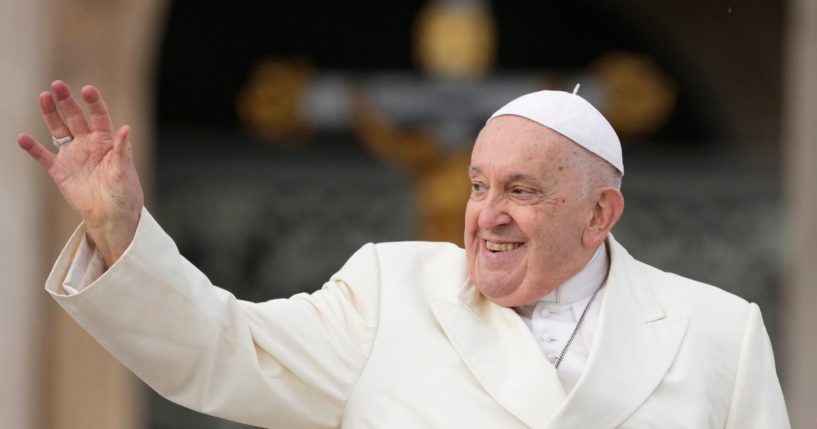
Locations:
507 301
500 294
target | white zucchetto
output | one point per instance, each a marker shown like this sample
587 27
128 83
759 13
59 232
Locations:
571 116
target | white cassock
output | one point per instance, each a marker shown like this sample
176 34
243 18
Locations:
399 338
554 319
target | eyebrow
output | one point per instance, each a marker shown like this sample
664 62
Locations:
516 177
527 178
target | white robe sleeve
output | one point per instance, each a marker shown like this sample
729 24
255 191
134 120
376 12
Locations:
284 363
86 266
757 400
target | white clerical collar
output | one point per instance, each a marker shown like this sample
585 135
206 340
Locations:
581 285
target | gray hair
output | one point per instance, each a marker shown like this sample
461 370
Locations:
598 173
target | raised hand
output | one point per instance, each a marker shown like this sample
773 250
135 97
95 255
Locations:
94 171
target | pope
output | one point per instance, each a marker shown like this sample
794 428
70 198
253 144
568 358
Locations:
542 321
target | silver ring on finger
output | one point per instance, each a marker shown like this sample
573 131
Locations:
61 141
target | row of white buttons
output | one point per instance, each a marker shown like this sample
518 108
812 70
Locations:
557 317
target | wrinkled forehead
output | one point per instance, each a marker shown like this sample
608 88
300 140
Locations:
515 145
510 133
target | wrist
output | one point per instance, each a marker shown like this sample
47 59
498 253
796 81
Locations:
112 238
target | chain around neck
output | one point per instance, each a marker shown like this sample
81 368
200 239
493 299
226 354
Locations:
576 329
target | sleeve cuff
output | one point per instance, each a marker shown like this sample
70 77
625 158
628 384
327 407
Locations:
87 266
80 264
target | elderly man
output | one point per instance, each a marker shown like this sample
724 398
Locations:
543 321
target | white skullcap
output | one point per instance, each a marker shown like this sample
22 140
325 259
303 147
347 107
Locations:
571 116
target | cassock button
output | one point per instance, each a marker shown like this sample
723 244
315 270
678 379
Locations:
551 357
544 312
544 336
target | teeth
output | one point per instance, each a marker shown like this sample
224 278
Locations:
501 247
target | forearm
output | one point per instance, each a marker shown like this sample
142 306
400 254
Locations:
162 319
200 347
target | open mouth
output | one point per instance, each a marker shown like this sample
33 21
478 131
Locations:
501 247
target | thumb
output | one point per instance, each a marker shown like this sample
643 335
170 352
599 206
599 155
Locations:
121 145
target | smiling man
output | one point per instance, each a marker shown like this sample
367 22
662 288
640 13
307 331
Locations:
540 206
543 321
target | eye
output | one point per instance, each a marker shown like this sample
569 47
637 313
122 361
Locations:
477 188
520 191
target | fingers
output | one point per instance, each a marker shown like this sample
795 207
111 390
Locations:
100 118
52 117
74 118
36 150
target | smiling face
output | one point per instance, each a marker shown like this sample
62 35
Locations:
527 211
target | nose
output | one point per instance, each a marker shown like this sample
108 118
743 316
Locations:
493 213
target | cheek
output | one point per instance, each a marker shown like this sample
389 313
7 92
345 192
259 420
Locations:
537 222
468 237
471 216
547 232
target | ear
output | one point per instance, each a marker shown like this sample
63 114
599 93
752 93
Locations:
607 209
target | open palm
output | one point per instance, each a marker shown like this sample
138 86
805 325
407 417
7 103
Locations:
95 171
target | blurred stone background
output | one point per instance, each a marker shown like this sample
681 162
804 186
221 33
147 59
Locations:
274 139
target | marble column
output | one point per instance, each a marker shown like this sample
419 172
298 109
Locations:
799 318
22 241
53 375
